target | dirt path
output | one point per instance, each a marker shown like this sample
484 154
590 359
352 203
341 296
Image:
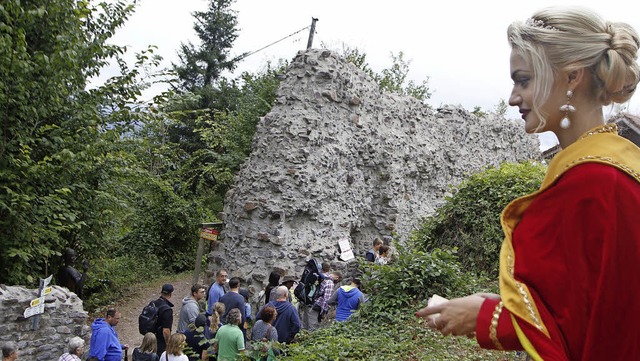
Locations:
131 306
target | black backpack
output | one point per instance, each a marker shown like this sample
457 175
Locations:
307 290
148 319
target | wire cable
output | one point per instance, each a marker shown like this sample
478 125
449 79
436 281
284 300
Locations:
241 57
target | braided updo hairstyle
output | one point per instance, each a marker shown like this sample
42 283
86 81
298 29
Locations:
569 38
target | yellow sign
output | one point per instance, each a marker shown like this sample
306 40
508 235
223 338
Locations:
47 291
36 301
209 233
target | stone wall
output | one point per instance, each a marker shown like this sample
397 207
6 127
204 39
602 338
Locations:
336 158
62 319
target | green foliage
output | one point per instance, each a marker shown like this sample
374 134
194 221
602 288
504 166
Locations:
73 172
112 278
501 108
398 336
201 66
414 276
164 226
478 112
470 219
52 188
392 79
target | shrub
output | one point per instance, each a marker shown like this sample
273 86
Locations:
469 221
111 278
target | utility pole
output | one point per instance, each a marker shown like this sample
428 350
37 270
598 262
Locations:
311 32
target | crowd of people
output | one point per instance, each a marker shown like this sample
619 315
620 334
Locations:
217 323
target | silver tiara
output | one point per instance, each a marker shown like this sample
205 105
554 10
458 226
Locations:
537 23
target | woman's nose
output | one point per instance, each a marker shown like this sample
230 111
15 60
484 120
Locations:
514 99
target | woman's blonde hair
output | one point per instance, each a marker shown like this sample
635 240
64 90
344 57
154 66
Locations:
176 343
149 343
570 38
218 310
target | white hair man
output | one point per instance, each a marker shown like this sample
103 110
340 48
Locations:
287 321
76 349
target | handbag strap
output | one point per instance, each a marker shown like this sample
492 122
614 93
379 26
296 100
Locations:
268 332
166 354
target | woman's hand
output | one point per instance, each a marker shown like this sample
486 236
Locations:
457 317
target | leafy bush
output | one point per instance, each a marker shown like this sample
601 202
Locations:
109 279
401 336
164 226
469 221
413 276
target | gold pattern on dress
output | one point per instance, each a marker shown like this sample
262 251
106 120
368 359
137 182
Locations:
607 128
527 302
607 160
493 328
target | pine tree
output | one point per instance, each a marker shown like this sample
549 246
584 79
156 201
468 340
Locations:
200 67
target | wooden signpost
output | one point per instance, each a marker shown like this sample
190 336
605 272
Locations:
36 307
209 232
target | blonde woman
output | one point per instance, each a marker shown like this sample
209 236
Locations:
174 349
147 350
568 261
215 323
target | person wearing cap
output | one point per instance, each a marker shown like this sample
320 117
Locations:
165 317
287 281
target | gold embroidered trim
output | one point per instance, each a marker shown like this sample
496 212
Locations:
527 302
608 160
607 128
493 328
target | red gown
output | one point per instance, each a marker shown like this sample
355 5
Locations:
568 276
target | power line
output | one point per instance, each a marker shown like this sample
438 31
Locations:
241 57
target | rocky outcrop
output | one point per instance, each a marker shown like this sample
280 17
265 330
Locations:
337 159
47 337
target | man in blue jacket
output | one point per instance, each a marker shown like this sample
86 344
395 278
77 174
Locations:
287 321
348 299
105 345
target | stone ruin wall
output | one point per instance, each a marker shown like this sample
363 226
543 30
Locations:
63 318
336 158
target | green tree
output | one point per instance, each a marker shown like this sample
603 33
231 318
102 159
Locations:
56 155
201 66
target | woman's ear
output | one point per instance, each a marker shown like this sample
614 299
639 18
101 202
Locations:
575 77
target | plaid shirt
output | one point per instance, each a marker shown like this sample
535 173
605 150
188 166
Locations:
326 289
68 357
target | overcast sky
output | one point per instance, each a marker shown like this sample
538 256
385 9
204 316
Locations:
460 46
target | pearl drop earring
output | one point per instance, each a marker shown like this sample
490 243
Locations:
567 108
